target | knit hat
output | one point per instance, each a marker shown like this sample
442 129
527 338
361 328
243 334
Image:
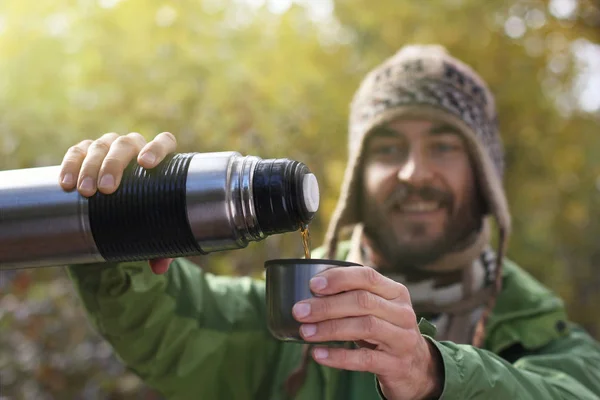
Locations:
426 82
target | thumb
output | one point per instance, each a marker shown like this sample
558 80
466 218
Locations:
160 265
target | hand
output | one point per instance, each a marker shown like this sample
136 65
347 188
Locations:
359 304
93 165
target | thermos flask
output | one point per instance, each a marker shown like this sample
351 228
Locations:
190 204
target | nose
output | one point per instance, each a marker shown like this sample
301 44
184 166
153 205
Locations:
415 170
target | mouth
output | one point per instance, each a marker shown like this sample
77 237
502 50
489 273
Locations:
417 207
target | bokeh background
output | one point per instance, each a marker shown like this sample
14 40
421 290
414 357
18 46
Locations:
274 78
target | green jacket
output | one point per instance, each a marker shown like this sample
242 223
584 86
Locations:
193 335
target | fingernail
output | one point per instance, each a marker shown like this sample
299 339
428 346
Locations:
107 181
318 283
301 310
87 184
148 158
321 353
308 330
68 179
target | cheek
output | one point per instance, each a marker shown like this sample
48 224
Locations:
461 182
378 182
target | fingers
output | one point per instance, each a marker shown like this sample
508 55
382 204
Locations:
375 361
99 165
160 265
354 304
122 150
71 164
155 151
90 165
343 279
368 328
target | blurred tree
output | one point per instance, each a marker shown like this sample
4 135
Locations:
274 79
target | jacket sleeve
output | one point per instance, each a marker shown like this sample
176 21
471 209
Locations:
187 333
566 368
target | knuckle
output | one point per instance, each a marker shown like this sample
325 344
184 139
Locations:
169 137
366 300
370 324
402 291
134 135
124 141
100 145
408 312
109 136
366 358
331 327
343 356
84 143
76 151
317 307
322 307
112 163
372 276
70 166
88 170
136 138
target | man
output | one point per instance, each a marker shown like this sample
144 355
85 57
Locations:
422 185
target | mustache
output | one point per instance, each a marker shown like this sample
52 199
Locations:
426 193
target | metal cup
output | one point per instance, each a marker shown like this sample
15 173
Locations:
288 283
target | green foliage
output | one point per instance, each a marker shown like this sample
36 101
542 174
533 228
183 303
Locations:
227 75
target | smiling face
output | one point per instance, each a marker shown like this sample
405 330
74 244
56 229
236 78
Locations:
419 194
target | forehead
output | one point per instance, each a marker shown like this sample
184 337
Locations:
413 129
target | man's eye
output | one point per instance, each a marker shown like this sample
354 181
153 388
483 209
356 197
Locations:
383 150
386 150
444 147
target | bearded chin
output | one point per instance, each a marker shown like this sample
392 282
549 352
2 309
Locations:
405 254
398 253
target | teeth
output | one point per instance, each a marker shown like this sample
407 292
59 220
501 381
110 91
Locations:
420 207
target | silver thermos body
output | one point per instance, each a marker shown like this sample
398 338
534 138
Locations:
190 204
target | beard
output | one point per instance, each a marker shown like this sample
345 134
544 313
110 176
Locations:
412 245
